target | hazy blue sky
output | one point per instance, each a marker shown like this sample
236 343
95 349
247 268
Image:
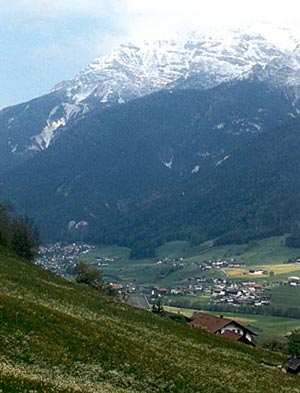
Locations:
45 41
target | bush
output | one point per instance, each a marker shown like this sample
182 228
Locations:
294 343
86 275
24 238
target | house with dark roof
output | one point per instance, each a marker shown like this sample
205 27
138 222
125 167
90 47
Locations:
223 326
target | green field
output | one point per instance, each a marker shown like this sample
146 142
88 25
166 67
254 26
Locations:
269 254
189 302
59 336
286 296
144 271
173 249
281 272
266 327
271 251
109 252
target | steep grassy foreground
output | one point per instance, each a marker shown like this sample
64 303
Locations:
56 336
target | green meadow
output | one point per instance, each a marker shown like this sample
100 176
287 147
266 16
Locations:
270 251
59 336
270 254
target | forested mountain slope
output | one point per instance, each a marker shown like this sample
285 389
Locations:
252 194
117 161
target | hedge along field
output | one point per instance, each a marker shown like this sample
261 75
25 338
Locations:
58 336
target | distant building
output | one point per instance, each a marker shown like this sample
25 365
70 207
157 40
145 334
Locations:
116 285
226 327
258 271
160 292
294 281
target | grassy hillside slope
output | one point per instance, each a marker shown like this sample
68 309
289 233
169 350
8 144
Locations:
57 336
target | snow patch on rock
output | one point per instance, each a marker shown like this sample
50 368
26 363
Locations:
223 159
42 141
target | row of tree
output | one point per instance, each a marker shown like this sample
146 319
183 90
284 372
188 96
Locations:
18 234
284 312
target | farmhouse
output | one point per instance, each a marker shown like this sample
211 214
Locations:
223 326
258 271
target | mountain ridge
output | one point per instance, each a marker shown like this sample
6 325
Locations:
131 71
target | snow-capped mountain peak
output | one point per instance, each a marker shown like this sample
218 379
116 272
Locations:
136 69
190 60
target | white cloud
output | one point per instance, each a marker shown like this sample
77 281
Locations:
158 16
155 17
62 36
170 12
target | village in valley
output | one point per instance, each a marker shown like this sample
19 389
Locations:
223 295
61 258
212 280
